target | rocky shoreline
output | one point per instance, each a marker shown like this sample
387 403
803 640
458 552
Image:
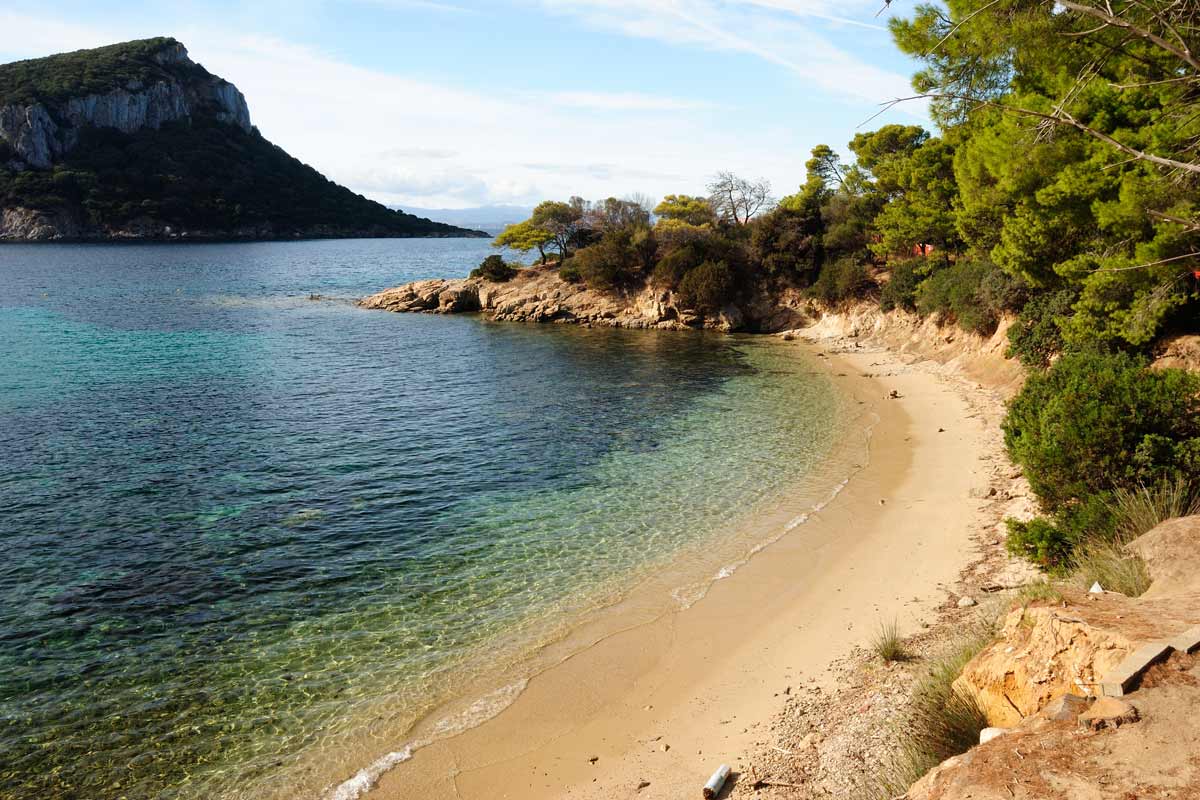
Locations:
539 295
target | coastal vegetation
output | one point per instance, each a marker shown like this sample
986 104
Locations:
1063 191
942 720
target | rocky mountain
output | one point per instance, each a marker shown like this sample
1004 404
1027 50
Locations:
137 141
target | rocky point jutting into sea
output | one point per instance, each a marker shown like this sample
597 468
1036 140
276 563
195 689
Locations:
539 294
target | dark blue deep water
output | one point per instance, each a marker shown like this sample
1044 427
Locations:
237 521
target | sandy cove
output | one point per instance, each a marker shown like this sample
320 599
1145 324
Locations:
651 711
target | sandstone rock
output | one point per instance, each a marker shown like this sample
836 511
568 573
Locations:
1108 712
1172 555
539 295
1067 707
988 734
1180 352
1047 651
967 602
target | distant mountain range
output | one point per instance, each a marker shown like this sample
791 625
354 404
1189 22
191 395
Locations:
492 219
137 141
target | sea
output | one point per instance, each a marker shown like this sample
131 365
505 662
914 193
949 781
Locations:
255 538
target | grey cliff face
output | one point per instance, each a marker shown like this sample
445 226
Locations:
40 135
31 133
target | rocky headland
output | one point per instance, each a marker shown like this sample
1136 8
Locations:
136 141
538 294
41 131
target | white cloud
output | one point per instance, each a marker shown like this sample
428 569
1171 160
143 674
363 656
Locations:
416 142
25 36
772 30
622 101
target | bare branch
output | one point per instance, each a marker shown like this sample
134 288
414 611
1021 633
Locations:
1180 79
959 24
1110 18
1151 264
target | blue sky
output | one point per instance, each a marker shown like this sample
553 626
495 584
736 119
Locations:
460 103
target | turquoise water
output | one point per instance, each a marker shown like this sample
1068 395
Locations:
251 538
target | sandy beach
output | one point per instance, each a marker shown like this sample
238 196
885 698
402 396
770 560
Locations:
652 710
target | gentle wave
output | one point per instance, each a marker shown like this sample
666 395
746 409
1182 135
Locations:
493 703
688 596
479 712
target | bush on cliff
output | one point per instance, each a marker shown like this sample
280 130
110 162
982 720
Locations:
1089 427
496 269
972 293
619 258
1037 335
570 273
843 279
901 289
707 288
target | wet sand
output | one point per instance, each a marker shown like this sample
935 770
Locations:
651 711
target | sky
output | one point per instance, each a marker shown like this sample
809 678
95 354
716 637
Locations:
461 103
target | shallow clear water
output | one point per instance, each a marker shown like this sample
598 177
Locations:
241 526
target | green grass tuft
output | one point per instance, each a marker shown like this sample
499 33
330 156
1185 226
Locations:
942 721
888 644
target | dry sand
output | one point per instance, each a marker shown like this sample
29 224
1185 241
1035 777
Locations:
651 711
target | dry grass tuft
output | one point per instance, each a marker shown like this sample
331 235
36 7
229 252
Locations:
1140 510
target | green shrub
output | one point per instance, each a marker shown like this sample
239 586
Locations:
1095 423
1039 541
957 292
570 273
495 269
839 280
707 288
901 289
1091 426
615 260
1037 336
786 242
671 268
1000 292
